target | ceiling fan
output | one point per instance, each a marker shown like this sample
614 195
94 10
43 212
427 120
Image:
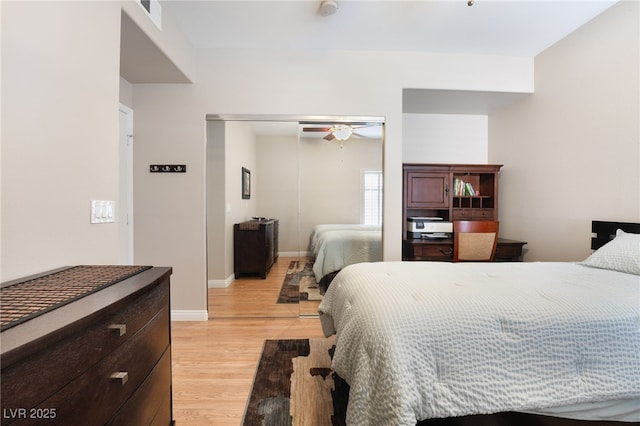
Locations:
342 131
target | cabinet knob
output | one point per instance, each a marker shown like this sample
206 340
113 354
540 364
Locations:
120 376
121 329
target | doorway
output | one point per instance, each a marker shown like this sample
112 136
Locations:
125 186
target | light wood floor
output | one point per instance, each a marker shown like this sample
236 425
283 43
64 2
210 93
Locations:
214 361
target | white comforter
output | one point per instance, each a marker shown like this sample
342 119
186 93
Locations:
340 248
320 231
419 340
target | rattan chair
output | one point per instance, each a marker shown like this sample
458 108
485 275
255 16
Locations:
475 240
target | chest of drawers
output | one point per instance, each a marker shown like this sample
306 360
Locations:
255 247
102 358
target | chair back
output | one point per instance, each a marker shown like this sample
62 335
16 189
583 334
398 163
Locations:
475 240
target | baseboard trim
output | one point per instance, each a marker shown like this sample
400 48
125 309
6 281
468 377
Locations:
294 253
221 283
189 315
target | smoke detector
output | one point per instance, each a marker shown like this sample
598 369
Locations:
328 7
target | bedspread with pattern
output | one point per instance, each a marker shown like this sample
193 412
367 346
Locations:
419 340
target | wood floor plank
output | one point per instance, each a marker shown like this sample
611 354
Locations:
214 362
254 296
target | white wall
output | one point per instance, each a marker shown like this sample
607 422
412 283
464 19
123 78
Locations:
330 181
60 97
170 120
126 93
445 138
216 207
277 165
572 149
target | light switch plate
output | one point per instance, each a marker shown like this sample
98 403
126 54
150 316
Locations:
103 211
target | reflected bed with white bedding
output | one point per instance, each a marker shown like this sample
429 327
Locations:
419 340
334 246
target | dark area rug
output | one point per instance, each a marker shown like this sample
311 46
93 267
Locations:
294 385
299 283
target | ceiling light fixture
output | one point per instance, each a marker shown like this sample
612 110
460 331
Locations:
342 132
328 7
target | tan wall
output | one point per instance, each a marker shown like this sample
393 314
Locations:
170 119
572 149
60 96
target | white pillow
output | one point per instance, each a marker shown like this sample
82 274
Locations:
620 254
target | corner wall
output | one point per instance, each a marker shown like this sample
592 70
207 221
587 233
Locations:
572 149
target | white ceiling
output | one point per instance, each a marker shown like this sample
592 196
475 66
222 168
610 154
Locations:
495 27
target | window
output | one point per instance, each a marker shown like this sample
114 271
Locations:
372 197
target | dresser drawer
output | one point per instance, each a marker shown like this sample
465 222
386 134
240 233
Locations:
144 407
93 397
38 376
473 214
486 214
462 214
428 251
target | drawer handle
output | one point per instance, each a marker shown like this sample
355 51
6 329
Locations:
120 376
121 329
446 252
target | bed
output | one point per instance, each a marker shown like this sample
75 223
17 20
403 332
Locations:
334 246
422 340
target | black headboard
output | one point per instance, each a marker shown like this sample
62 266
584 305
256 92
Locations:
605 231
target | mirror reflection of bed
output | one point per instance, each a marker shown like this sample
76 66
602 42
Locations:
340 201
334 246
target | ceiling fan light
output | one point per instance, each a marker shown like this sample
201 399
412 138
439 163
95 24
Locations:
342 132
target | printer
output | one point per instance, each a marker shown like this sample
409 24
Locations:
428 227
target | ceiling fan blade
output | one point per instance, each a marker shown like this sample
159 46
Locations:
329 137
317 129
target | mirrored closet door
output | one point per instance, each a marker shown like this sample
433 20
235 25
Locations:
309 174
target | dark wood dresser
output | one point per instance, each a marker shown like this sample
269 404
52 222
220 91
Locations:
255 247
451 192
87 345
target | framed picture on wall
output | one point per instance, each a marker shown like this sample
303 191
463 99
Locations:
246 184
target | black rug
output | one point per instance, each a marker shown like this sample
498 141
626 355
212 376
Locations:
294 385
299 283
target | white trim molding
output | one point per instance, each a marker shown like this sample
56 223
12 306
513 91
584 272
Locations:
189 315
294 254
221 283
